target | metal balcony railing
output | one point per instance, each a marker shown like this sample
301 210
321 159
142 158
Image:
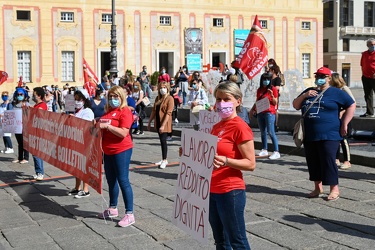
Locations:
357 31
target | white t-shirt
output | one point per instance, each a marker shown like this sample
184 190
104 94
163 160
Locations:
85 114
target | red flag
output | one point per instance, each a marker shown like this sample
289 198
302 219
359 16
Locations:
3 76
20 82
254 53
88 74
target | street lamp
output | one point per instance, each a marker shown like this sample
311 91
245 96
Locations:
113 64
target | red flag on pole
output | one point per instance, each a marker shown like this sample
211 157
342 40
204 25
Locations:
20 82
254 53
3 76
91 80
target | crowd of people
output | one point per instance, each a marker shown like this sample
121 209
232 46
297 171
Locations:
118 105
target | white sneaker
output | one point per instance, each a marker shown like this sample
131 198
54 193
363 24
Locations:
9 151
158 163
176 120
275 155
3 150
163 164
38 177
263 152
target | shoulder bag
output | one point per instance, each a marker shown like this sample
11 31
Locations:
299 128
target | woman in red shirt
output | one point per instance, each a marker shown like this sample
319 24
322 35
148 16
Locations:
267 118
118 147
235 152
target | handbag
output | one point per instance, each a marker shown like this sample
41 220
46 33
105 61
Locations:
146 101
178 99
197 108
299 128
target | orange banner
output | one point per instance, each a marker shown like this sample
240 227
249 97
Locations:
66 142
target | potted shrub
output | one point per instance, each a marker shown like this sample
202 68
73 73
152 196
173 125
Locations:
154 80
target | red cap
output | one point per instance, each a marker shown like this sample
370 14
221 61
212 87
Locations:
324 71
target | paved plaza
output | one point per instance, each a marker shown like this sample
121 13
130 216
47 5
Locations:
40 215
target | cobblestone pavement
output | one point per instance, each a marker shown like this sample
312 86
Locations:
40 215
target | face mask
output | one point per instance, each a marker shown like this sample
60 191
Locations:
20 98
135 87
320 82
270 65
184 69
107 87
194 86
101 96
5 98
225 109
163 91
114 103
76 89
196 77
172 82
145 70
371 48
266 82
78 104
34 98
163 71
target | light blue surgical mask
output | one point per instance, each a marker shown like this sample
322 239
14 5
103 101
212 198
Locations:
371 48
135 87
194 86
114 103
107 87
320 81
20 98
163 71
266 82
102 96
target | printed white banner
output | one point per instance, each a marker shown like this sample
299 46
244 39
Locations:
207 119
262 105
12 121
191 205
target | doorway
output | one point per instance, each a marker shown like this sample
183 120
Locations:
346 73
166 60
105 60
217 58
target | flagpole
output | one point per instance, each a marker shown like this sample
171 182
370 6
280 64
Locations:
113 56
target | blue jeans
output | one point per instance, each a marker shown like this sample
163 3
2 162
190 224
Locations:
266 122
38 165
146 90
227 220
7 142
117 173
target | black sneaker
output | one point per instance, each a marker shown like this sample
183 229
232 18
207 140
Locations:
82 194
367 115
73 192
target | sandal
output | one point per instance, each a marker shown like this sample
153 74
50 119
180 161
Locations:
333 196
315 194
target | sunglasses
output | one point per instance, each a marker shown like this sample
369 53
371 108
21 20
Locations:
320 76
19 94
113 96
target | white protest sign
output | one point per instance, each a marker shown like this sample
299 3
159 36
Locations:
191 205
262 105
12 121
69 103
207 119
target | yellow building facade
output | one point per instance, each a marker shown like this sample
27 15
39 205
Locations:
46 41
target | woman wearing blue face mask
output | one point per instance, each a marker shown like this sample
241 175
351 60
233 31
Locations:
267 118
324 131
6 105
21 99
118 147
98 103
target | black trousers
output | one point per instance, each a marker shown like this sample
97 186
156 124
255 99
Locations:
22 153
369 89
163 144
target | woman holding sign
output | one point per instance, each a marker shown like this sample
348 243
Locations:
267 96
21 99
117 145
235 152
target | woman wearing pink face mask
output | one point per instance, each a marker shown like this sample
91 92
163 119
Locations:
235 152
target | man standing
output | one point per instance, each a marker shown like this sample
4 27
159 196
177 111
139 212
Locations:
38 97
145 81
368 77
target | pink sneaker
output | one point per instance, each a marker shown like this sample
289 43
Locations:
127 220
109 213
